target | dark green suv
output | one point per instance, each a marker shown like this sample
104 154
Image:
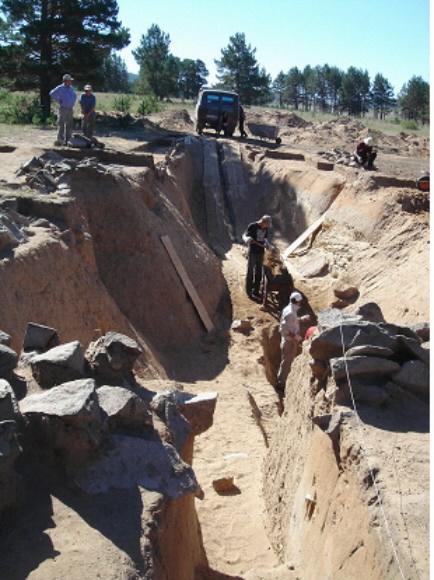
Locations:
218 110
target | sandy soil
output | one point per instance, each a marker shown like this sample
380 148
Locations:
232 524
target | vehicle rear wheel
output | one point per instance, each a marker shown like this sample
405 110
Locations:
199 128
278 140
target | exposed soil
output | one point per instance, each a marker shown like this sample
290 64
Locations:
123 279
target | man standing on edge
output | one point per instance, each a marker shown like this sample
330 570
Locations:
289 339
256 237
87 104
65 95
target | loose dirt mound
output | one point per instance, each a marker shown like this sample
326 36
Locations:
174 120
280 118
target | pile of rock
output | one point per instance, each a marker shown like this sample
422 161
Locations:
369 361
49 172
339 156
12 228
88 418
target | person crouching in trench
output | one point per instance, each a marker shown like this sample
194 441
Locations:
290 339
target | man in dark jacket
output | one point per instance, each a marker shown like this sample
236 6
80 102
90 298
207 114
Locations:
256 236
365 153
241 119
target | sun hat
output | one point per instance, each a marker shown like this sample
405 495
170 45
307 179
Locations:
296 297
67 78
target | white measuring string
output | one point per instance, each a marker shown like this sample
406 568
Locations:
364 448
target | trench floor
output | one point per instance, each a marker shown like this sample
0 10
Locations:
233 524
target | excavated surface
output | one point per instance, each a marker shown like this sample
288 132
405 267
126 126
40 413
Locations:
367 239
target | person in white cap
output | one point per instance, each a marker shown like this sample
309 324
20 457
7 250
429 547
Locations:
87 104
365 153
65 96
256 236
289 339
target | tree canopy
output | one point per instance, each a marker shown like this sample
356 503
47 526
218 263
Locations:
43 39
414 100
238 70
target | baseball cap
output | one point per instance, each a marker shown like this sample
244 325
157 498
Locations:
67 78
87 87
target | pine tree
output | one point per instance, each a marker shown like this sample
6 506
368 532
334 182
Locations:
192 75
115 75
159 69
382 96
414 99
355 91
293 92
46 38
238 70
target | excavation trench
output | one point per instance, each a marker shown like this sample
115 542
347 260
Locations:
98 254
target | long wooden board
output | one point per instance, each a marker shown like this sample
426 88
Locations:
301 238
198 304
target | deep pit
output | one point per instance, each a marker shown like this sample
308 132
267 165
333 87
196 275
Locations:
86 258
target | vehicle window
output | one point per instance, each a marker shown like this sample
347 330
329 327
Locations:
226 99
212 99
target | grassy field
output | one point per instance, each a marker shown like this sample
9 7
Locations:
110 102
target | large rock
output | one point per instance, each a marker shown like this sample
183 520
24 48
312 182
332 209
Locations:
359 366
8 360
66 419
370 350
58 365
9 409
198 409
329 343
130 461
125 410
414 376
366 393
412 349
39 337
370 312
9 451
176 427
5 338
331 317
422 331
112 357
314 266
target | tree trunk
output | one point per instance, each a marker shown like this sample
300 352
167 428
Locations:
46 53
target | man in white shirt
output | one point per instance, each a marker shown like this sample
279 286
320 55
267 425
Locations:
290 339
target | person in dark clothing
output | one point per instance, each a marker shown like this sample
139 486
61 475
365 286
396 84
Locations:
365 153
241 119
87 104
256 236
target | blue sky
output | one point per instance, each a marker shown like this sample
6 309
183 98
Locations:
387 36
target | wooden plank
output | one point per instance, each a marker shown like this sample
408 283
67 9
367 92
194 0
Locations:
310 230
207 322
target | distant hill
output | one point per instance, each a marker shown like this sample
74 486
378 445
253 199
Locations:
132 77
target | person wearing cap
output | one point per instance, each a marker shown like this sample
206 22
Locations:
289 339
256 236
65 96
87 104
365 154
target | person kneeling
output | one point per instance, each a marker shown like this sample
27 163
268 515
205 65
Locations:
290 339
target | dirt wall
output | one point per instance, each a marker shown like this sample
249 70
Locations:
323 514
126 219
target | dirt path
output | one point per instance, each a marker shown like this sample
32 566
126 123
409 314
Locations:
233 524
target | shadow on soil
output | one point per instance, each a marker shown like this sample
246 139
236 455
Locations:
25 544
402 414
